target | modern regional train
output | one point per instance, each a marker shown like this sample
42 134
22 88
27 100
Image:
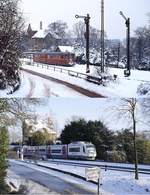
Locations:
74 150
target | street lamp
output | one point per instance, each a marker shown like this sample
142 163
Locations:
87 34
127 23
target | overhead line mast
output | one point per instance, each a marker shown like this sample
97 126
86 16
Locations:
102 37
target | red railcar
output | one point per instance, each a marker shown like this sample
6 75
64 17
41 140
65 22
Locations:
55 58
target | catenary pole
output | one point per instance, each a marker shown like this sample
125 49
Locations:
102 37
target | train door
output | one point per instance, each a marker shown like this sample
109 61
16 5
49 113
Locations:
64 152
49 152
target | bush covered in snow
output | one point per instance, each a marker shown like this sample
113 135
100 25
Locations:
106 76
80 53
11 25
144 89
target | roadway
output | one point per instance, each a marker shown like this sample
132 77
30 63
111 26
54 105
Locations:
49 180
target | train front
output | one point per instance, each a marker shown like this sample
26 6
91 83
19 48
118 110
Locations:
91 151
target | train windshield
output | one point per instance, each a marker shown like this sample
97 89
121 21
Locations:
90 146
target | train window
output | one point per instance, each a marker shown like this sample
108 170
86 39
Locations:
90 146
31 150
74 149
42 150
56 151
62 57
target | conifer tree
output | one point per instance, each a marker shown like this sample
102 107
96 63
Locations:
3 161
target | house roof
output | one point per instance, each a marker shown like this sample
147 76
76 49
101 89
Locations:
40 34
30 32
66 49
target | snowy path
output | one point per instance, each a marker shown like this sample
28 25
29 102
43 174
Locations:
73 87
35 87
40 87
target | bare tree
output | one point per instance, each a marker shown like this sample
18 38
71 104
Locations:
79 31
11 25
17 109
142 48
128 109
95 36
58 31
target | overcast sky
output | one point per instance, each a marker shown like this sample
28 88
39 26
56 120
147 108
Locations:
49 11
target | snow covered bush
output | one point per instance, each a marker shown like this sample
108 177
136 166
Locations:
80 53
144 89
106 76
11 25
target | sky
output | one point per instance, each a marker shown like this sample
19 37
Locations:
49 11
103 109
63 110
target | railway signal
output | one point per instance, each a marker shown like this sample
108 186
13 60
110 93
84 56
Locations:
127 72
87 34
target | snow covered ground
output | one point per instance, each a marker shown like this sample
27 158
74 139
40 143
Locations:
30 186
118 183
36 87
122 87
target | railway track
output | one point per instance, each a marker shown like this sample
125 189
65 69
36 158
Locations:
89 165
76 88
106 167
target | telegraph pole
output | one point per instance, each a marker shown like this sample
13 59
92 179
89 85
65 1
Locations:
102 37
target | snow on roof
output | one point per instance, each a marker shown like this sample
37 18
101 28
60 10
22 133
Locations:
40 34
40 126
66 49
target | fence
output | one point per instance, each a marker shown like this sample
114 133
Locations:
93 79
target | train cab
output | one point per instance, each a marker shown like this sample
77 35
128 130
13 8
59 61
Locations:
81 150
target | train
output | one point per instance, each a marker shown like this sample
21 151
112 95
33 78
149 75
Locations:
75 150
54 58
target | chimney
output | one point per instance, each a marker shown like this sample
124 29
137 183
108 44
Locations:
41 25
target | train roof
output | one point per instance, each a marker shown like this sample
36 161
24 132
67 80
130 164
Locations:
47 52
80 142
